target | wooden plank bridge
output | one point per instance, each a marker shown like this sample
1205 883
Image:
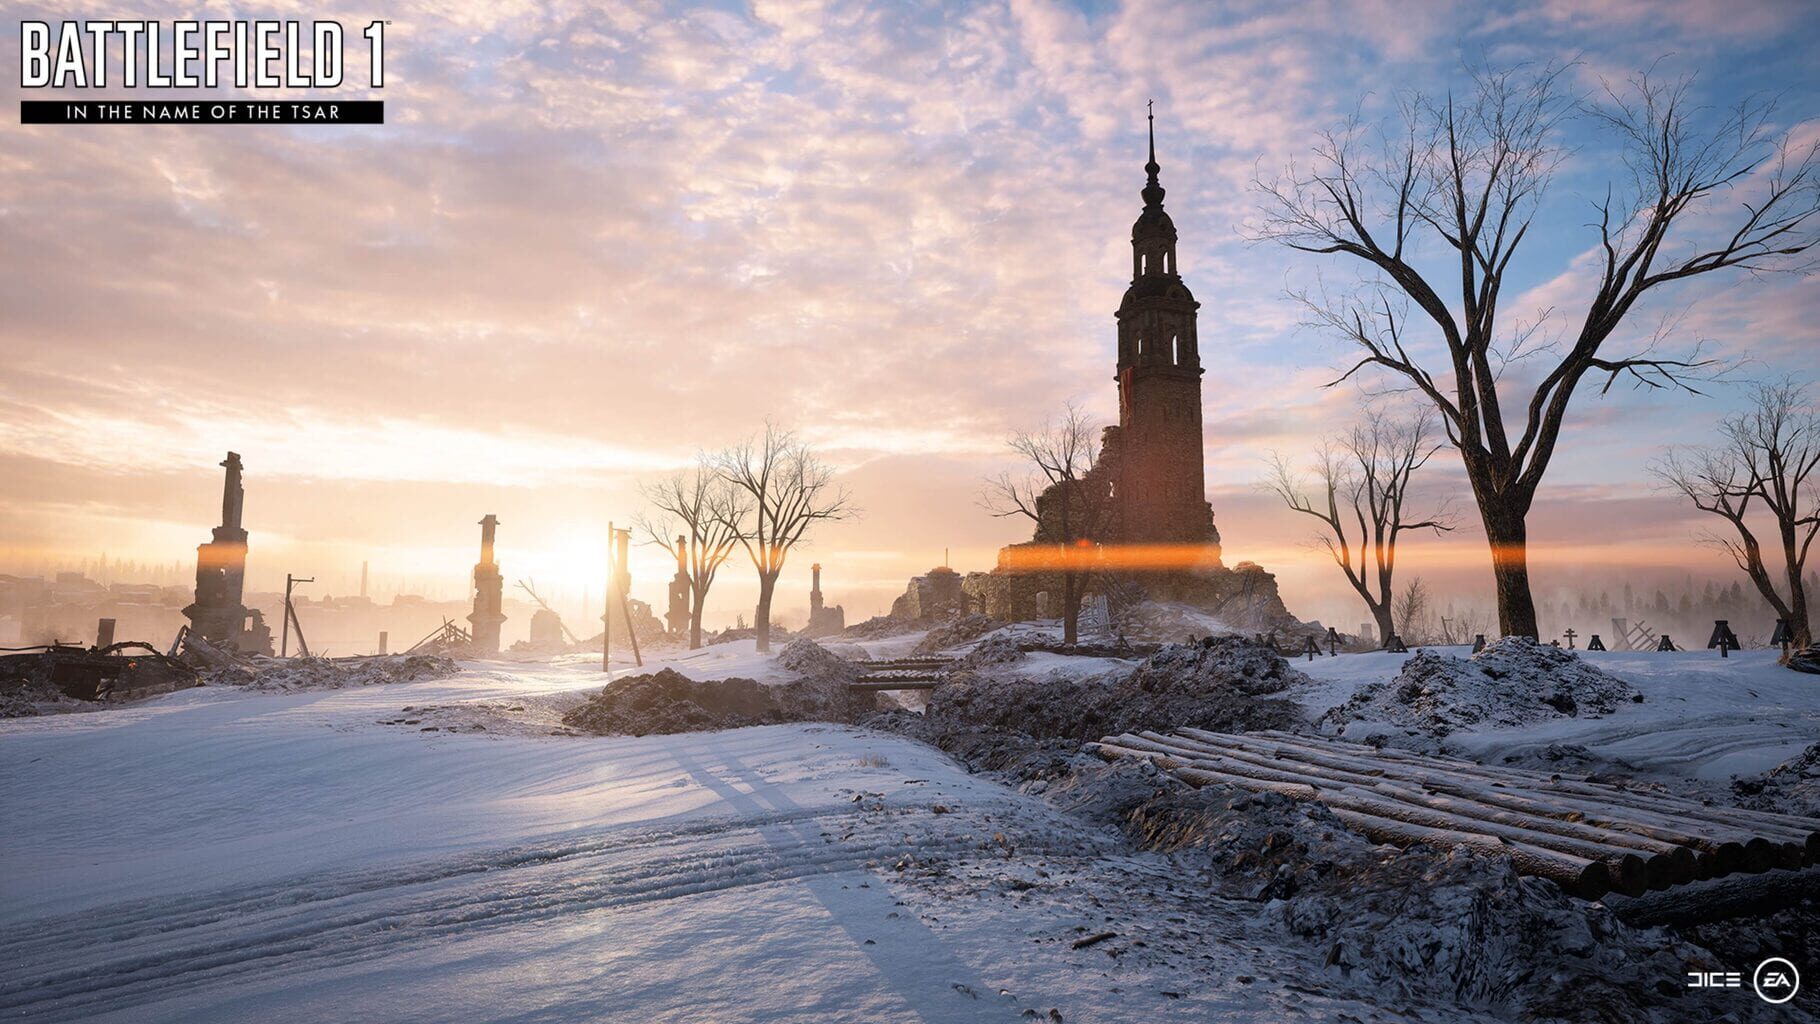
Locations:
1591 838
916 673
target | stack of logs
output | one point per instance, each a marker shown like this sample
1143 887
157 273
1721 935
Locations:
1588 837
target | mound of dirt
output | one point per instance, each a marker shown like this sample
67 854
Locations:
997 649
1792 787
667 701
965 629
1218 684
1512 682
807 658
292 674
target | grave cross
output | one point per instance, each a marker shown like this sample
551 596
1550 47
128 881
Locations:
1784 637
1723 638
1570 634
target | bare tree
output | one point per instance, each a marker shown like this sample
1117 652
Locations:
1764 468
694 511
1463 178
1412 611
785 489
1058 491
1361 487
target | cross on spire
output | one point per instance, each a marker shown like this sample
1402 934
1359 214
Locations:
1153 190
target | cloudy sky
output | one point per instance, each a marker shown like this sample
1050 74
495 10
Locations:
594 240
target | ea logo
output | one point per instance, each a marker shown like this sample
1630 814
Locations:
1776 980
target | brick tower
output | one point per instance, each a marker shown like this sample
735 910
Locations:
1160 484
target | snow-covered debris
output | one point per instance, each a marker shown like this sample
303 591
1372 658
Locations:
996 649
1168 622
1404 923
1807 659
1512 682
1220 684
956 632
879 627
1792 787
1408 924
807 658
291 674
667 701
29 697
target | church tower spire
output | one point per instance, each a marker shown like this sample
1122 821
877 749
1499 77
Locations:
1161 484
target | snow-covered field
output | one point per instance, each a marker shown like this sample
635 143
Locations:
224 855
430 851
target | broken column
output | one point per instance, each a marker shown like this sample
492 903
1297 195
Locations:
218 614
489 591
677 618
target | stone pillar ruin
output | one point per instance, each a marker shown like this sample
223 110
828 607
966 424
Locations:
824 619
489 590
218 614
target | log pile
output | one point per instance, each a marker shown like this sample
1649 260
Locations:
1590 838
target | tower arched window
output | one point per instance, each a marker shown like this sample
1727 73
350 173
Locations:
1175 349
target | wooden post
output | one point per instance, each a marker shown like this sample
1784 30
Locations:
622 578
606 608
382 639
290 617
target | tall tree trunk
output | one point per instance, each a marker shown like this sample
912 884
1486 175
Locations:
1797 587
761 616
1386 625
697 600
1509 538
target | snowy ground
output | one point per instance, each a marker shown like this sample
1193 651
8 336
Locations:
1702 716
223 855
429 851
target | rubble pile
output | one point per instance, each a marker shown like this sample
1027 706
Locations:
294 674
1168 622
667 701
1513 682
26 698
956 632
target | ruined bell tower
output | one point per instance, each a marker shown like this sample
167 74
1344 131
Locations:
1160 486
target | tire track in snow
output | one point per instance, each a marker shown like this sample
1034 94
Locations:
120 957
